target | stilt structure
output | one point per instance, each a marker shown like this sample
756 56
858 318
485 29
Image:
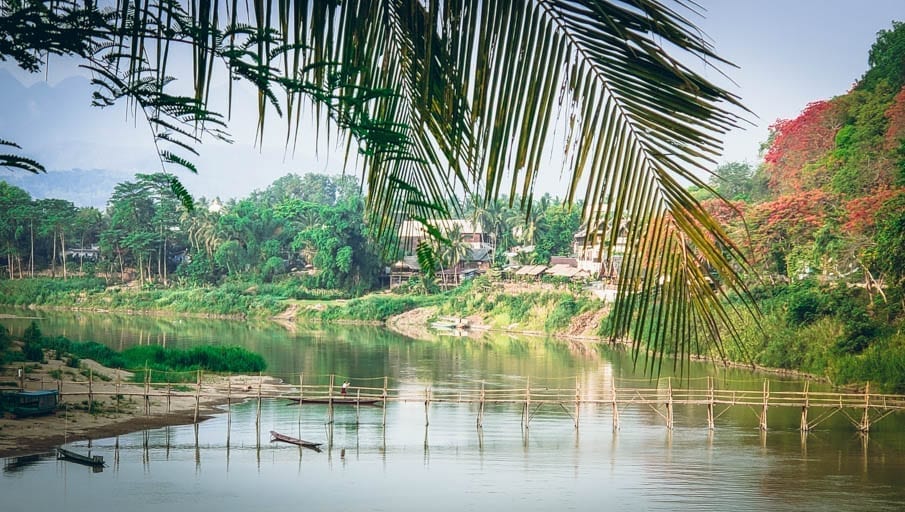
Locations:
763 413
805 427
669 420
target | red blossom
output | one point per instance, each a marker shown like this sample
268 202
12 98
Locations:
800 141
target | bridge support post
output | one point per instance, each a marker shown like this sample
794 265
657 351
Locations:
427 404
577 401
526 417
330 400
865 418
480 421
669 403
615 409
805 426
763 413
384 404
198 394
710 418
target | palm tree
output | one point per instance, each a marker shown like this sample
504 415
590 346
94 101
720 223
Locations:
449 97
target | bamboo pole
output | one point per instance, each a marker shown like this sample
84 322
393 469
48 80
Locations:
197 395
710 418
763 414
147 391
301 398
615 409
330 411
669 403
169 394
357 407
865 418
229 412
258 413
116 388
427 404
90 391
805 427
384 402
481 407
527 416
577 401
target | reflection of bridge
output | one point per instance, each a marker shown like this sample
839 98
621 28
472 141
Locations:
862 409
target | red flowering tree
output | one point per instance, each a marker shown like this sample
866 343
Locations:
778 227
896 116
800 142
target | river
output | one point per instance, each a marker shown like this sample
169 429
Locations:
450 464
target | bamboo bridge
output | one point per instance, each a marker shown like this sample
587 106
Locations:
861 409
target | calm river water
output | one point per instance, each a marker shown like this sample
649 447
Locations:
451 465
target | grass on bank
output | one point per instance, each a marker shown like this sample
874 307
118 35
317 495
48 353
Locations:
179 364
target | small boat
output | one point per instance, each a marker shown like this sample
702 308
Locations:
450 323
276 436
88 460
338 400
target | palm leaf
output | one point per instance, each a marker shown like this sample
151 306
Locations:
470 97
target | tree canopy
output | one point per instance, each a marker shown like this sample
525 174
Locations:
441 98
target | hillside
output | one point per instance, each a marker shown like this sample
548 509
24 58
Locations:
823 220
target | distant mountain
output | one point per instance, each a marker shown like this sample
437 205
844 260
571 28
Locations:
82 187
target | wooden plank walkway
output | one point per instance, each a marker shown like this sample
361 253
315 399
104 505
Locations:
862 409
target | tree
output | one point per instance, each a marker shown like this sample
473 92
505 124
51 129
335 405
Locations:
733 181
440 97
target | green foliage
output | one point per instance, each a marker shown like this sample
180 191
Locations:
373 308
886 59
225 359
43 290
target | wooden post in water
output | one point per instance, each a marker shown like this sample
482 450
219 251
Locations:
763 413
481 408
577 401
615 409
805 427
427 404
116 388
147 391
357 407
90 391
301 398
527 416
229 410
865 418
197 395
710 418
669 403
384 403
258 414
330 400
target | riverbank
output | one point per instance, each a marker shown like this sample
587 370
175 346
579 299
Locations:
117 407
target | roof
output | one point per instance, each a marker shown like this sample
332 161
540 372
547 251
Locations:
531 270
563 260
480 254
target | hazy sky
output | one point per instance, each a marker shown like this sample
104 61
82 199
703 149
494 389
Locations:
789 53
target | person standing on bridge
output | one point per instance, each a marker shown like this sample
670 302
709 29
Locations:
345 387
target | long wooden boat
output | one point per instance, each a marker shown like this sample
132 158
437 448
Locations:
88 460
338 400
276 436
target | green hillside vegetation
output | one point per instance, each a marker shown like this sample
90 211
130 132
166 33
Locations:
824 221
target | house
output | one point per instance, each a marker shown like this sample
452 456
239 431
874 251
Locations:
77 253
28 403
412 233
593 252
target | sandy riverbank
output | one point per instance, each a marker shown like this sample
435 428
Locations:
109 416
